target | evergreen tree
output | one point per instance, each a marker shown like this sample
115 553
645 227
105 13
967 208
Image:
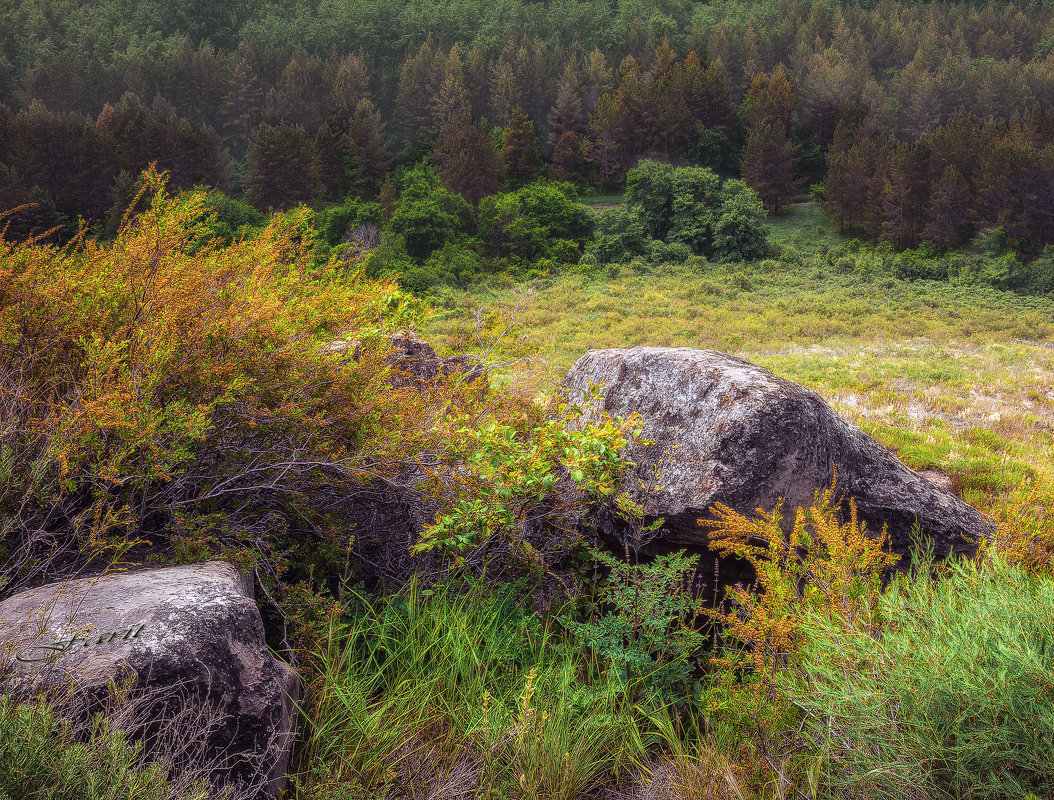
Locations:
849 171
506 86
350 86
769 164
452 104
520 148
569 158
947 214
301 96
421 79
568 112
364 143
281 168
241 104
329 162
466 161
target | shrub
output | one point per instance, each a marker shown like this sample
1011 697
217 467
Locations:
42 757
519 480
566 251
452 264
949 697
686 205
923 263
528 223
669 253
426 215
232 218
147 385
823 565
1038 275
336 222
621 235
738 232
648 641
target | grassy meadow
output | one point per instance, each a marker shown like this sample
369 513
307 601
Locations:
954 377
518 659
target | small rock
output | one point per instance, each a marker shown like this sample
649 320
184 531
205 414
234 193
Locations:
195 628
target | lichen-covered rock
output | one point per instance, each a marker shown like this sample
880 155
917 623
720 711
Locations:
414 361
728 431
195 628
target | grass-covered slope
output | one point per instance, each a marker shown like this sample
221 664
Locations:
173 396
955 376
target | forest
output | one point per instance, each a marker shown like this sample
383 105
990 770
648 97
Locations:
913 122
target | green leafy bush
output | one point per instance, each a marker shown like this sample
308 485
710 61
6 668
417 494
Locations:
647 641
689 206
529 222
42 758
334 222
621 235
541 476
950 696
426 215
231 218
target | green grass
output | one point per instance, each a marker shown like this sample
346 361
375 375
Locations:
604 202
953 377
805 226
460 689
950 699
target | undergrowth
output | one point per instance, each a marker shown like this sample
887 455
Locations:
45 757
455 689
949 697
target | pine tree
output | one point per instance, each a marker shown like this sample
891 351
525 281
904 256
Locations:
477 79
300 98
948 211
849 169
421 79
329 163
242 103
520 148
769 100
506 86
281 168
672 127
350 86
569 158
466 161
598 81
387 198
604 146
702 92
568 112
452 104
364 142
769 164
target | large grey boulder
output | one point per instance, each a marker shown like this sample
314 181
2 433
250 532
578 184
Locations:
191 633
728 431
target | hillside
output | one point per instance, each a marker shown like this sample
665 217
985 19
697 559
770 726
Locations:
294 504
956 378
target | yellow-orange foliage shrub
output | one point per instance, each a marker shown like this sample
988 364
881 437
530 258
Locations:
166 373
824 564
1024 531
